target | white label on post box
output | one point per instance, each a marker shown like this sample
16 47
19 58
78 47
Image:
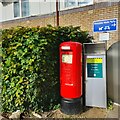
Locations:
65 47
66 58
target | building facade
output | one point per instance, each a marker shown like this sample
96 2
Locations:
15 9
83 16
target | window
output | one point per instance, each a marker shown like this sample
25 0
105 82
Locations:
21 8
72 3
84 2
16 9
25 8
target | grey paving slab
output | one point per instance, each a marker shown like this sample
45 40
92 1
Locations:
115 113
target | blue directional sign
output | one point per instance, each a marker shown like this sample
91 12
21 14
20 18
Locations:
105 25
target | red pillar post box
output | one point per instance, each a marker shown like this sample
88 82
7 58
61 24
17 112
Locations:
70 77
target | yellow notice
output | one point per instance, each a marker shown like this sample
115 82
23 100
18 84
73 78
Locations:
66 58
94 60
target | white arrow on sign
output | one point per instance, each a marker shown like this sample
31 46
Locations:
100 28
113 24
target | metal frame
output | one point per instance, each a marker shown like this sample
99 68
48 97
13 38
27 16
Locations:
95 88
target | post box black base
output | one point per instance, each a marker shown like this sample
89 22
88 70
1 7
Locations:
71 106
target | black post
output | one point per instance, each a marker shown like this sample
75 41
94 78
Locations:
57 12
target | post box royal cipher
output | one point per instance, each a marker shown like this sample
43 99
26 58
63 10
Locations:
70 76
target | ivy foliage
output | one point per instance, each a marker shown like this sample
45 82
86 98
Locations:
30 66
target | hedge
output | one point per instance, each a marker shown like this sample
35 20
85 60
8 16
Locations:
30 66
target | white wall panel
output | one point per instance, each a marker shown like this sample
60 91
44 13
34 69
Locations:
7 11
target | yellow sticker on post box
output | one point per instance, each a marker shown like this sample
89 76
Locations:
94 60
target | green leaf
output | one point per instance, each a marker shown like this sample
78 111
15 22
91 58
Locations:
12 84
21 80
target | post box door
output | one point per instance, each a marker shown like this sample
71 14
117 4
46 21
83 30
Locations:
96 81
70 70
67 58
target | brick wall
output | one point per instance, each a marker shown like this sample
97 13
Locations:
80 16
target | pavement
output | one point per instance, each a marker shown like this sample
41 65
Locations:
92 112
2 118
88 112
115 113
